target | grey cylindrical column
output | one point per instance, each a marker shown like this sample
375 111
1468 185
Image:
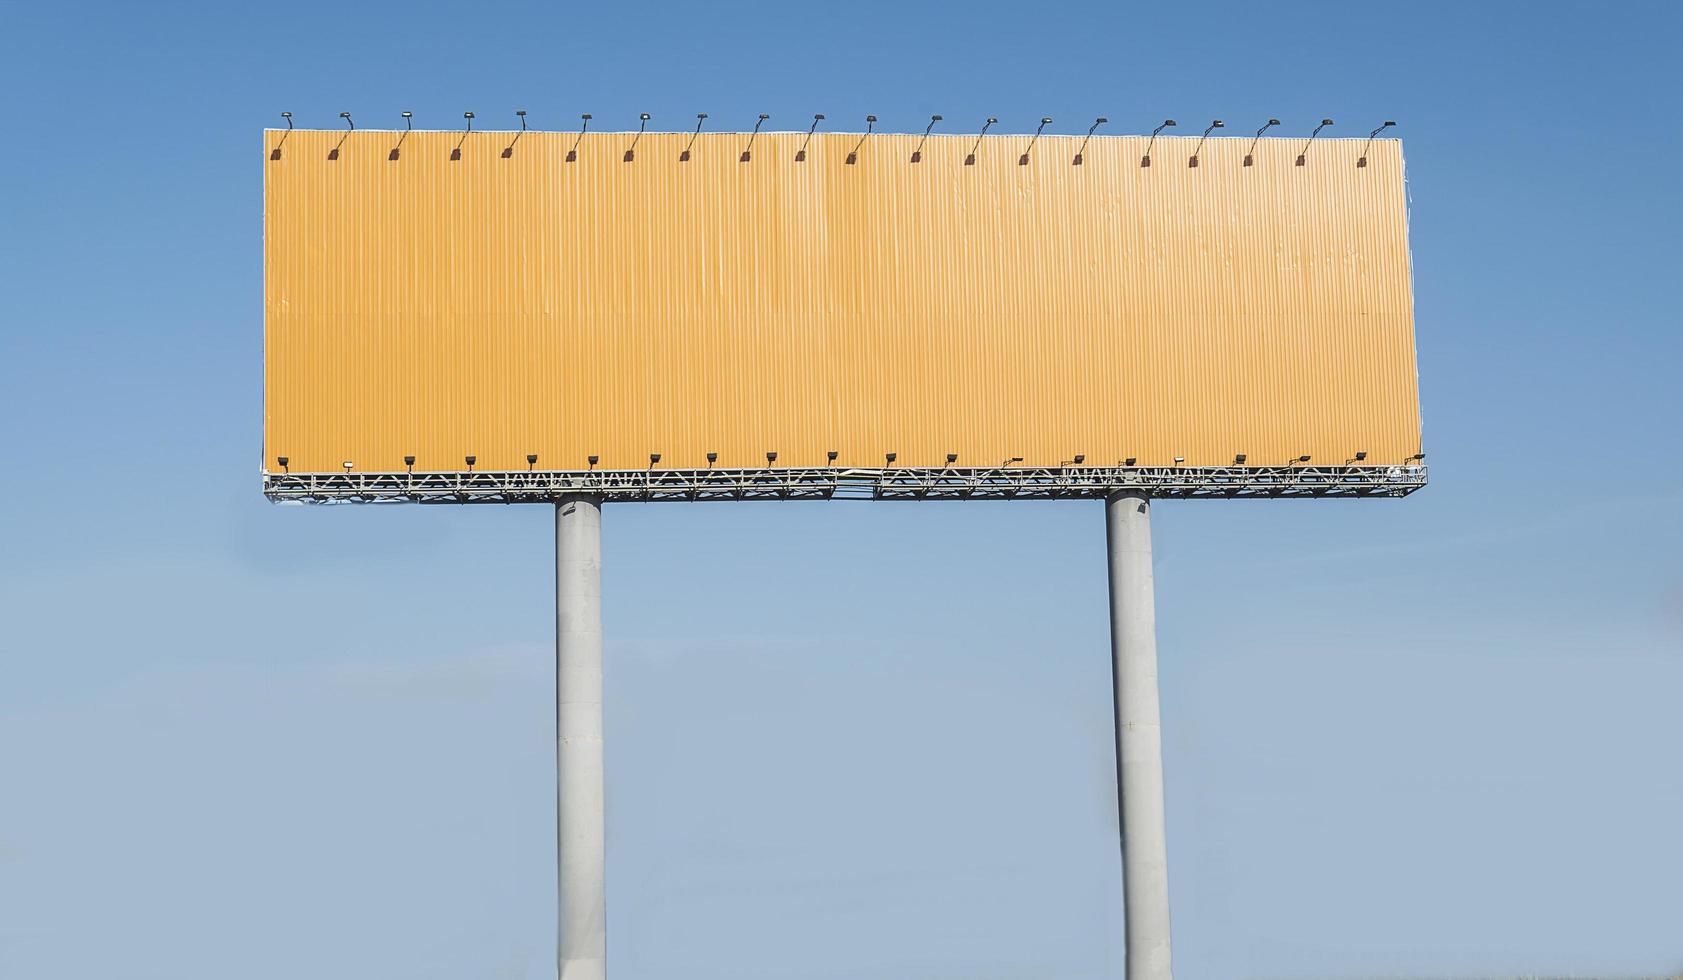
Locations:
1139 743
580 839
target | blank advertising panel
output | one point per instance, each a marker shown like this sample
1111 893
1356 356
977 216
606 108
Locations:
446 295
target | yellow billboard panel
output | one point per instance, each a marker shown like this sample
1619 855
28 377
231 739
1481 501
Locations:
443 296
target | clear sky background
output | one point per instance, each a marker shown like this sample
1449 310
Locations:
1432 737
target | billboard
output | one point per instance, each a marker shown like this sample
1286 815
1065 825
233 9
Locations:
831 300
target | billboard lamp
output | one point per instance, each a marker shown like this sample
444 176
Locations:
952 458
508 150
700 118
1214 125
584 125
275 154
751 136
891 457
800 155
1083 147
531 460
333 154
1303 154
917 154
1145 161
771 457
1361 161
282 460
456 154
711 459
1250 153
409 461
870 124
408 127
1022 161
970 160
642 124
593 460
831 456
1239 460
470 461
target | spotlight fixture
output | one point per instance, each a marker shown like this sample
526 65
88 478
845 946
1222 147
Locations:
1014 459
409 461
1250 154
771 458
831 455
470 461
1179 460
456 154
593 460
800 155
653 459
952 458
870 126
970 160
642 126
711 459
917 154
1417 457
408 127
1145 161
1131 460
1078 460
1300 459
347 464
275 154
584 126
283 461
1239 460
333 154
1214 125
891 457
747 151
1361 161
1303 154
1082 149
531 460
1360 456
700 118
1023 160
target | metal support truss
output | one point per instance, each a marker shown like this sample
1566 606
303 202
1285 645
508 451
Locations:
834 483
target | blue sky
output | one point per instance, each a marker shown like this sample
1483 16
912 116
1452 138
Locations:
1428 737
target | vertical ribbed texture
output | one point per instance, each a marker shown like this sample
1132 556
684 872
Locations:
500 306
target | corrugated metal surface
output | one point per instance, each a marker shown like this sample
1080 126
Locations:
504 305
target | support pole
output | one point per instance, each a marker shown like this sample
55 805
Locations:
582 944
1139 743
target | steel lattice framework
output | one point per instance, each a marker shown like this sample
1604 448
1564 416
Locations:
831 483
